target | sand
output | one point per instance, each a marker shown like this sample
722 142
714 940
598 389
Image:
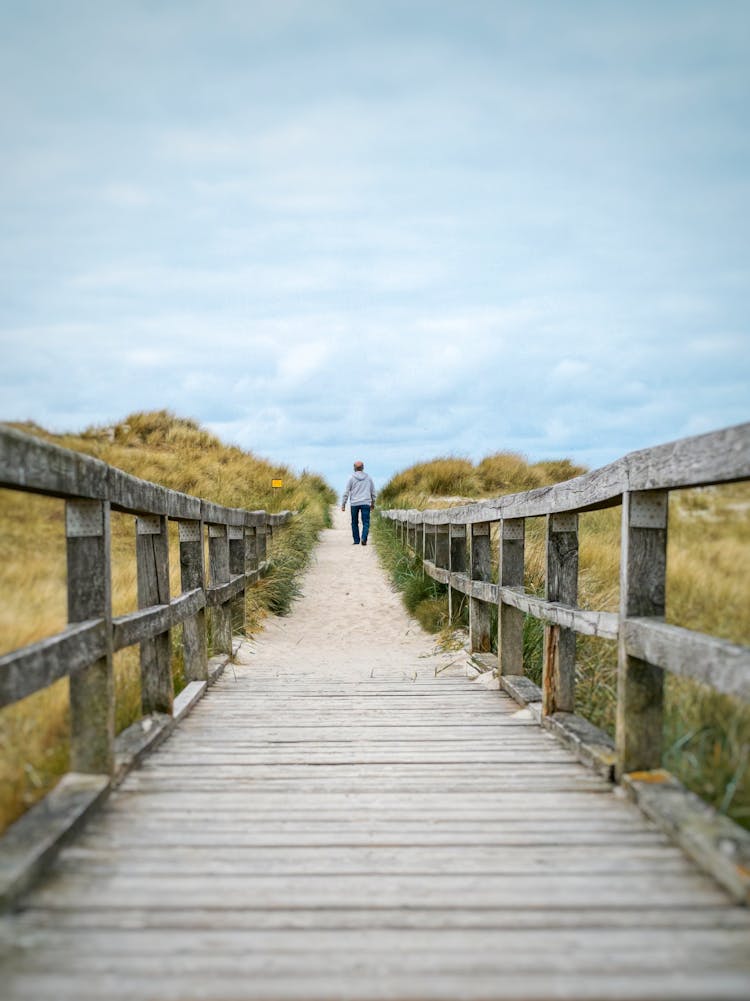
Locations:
349 621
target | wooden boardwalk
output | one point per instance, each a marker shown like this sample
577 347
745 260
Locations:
340 821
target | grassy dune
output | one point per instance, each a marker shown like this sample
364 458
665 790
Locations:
178 454
706 736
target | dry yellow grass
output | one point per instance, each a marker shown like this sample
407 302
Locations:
34 733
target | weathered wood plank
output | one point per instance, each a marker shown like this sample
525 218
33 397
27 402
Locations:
29 844
27 463
41 664
155 619
723 666
718 845
220 594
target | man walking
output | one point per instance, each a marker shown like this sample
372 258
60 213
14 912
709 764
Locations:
360 490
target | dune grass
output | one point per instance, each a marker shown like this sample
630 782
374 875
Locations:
706 735
178 453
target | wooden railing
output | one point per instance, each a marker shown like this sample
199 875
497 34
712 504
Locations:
455 545
236 543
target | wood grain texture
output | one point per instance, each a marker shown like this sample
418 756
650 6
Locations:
640 685
723 666
271 852
480 569
41 664
561 586
152 562
92 695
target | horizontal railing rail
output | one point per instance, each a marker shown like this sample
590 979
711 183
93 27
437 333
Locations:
455 546
236 542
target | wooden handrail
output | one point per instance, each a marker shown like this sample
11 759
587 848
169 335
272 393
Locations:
640 482
83 651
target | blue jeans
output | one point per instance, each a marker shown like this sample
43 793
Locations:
364 510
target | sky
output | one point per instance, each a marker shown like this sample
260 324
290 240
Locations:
341 229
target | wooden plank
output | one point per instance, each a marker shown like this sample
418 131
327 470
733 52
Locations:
723 666
130 494
221 594
188 698
28 463
28 845
400 920
720 846
589 623
41 664
393 984
155 619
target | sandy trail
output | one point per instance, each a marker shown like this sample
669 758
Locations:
349 621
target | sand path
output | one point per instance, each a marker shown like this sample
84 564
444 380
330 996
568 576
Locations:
349 622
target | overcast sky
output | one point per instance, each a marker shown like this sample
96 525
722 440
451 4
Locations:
339 229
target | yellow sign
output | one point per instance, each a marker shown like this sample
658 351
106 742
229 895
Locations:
276 484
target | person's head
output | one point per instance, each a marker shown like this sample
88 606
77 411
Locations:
358 466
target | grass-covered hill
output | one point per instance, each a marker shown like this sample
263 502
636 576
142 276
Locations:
169 450
443 481
707 736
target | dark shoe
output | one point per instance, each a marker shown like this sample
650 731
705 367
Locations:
364 542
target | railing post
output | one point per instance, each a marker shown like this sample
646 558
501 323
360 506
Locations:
261 546
481 569
456 561
442 546
251 549
218 559
237 566
92 691
511 574
559 665
192 575
640 685
429 542
152 559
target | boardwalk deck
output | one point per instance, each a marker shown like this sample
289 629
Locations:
341 821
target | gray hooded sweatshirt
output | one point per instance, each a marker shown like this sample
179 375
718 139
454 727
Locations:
359 490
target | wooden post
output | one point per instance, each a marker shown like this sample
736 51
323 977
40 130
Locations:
640 685
152 558
92 690
237 566
559 666
481 569
251 549
192 575
429 542
511 574
260 532
442 546
218 559
456 560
